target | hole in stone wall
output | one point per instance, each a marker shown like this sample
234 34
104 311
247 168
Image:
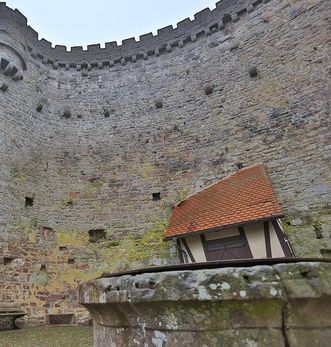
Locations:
156 196
94 179
97 235
29 201
304 274
226 18
43 267
13 71
39 108
200 33
158 103
326 253
246 279
4 63
71 261
318 231
152 284
47 231
67 113
208 90
253 71
106 113
63 248
55 319
3 86
240 166
7 260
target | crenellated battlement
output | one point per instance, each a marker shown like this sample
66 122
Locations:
13 45
204 23
8 13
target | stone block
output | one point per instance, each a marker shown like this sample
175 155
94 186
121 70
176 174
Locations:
209 307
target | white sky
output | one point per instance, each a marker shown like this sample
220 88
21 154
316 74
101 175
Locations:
81 22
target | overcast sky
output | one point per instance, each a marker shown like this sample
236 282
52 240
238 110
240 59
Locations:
81 22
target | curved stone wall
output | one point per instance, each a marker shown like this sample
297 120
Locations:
88 137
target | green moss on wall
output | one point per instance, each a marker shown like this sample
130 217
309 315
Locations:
306 236
72 238
133 251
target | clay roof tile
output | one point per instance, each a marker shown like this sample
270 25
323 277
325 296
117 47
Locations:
243 197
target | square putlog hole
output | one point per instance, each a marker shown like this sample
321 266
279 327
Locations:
29 201
158 103
156 196
8 259
97 235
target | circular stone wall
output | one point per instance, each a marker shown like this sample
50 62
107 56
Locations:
97 146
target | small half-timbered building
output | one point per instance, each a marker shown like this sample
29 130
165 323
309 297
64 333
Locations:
238 217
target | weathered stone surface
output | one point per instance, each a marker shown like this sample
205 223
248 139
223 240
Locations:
230 307
308 337
235 337
95 172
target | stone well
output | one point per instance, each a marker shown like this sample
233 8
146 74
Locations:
265 305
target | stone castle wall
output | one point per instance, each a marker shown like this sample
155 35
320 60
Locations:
91 135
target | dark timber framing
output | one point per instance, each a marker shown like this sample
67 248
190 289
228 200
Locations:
180 251
281 238
204 245
243 236
267 239
188 250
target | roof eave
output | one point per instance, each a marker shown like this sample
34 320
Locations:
205 231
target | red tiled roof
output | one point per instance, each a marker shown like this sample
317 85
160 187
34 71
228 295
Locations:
243 197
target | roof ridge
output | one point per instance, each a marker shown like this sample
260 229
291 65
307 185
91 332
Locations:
222 180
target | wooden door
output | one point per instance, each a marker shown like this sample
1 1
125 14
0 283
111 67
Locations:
234 247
